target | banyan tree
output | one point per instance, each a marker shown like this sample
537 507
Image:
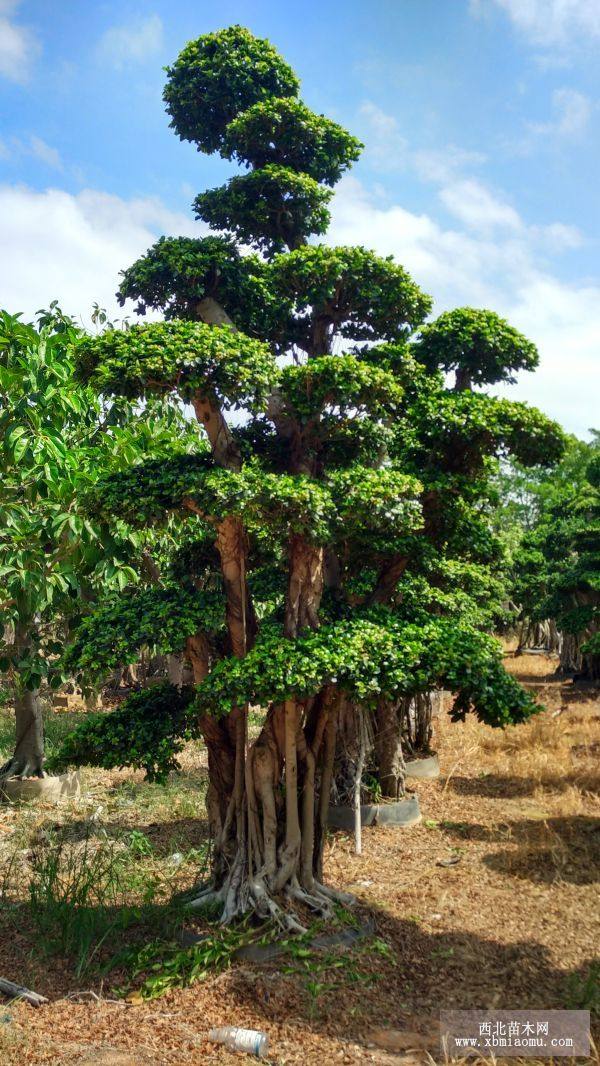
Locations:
335 551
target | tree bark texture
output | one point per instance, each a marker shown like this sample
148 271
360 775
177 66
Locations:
389 757
28 757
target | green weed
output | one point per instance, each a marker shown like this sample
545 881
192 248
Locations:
81 899
139 845
583 991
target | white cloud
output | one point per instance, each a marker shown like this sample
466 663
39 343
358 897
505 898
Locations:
386 148
31 146
18 45
45 152
503 270
71 248
441 164
572 112
559 237
550 23
474 205
132 43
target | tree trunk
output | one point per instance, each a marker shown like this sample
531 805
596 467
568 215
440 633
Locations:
305 586
241 620
388 749
388 580
417 728
175 670
574 662
270 797
463 380
266 846
28 757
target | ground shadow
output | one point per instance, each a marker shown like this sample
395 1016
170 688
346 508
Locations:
507 787
404 986
548 850
165 838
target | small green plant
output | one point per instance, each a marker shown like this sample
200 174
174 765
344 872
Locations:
344 916
139 845
381 948
333 970
372 786
442 953
583 991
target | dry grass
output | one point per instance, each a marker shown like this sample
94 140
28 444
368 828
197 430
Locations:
514 924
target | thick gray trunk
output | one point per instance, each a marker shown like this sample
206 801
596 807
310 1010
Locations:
389 758
175 670
418 729
28 757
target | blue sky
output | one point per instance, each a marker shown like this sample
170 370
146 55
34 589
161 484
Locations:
480 119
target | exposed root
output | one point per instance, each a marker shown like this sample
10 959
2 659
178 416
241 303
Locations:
18 766
336 894
240 895
261 865
206 897
314 900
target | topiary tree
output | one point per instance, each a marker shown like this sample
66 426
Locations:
347 510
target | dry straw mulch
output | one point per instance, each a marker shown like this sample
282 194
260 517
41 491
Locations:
515 923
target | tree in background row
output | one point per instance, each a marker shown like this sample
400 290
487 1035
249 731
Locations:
338 536
557 561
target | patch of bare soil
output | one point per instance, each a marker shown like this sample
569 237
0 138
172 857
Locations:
514 923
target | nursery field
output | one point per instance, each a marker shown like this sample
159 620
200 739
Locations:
491 901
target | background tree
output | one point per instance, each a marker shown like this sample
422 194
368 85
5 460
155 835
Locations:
55 437
345 510
556 570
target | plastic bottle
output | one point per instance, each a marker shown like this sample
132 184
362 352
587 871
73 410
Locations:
251 1041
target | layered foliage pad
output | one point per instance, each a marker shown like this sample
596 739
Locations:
383 502
177 273
288 133
158 618
462 428
342 382
479 343
190 358
370 657
360 295
147 732
269 208
217 77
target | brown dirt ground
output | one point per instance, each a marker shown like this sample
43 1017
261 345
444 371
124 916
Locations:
515 923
